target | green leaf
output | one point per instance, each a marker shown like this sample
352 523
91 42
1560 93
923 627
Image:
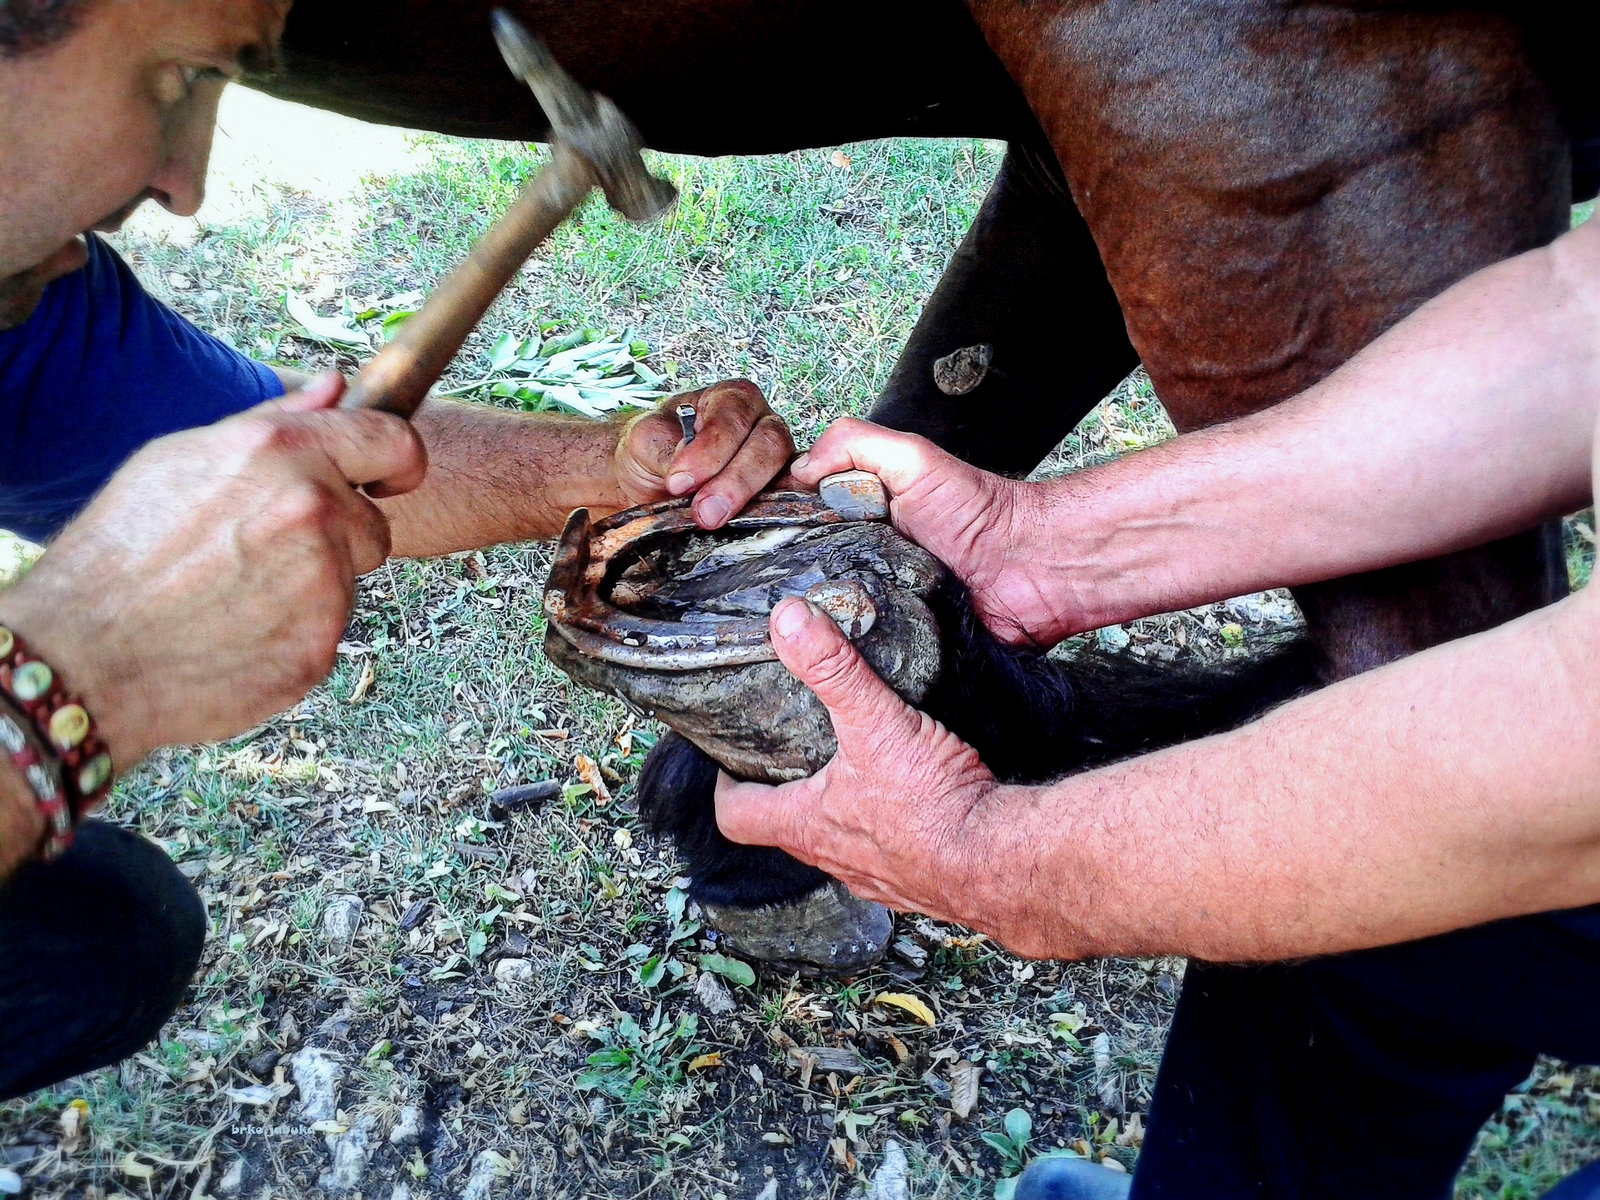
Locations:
729 968
504 352
395 319
1019 1128
676 901
652 971
1004 1189
477 944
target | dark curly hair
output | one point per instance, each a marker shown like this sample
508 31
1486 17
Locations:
29 24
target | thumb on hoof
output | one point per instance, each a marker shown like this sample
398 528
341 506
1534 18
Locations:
757 814
818 654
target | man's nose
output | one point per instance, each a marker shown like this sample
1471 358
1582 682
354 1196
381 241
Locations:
179 183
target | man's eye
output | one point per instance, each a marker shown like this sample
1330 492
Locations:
183 80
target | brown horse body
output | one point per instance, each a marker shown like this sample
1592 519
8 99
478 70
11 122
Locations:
1238 193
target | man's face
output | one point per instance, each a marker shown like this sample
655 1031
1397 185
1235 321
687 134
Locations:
119 111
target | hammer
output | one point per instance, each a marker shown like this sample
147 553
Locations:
592 144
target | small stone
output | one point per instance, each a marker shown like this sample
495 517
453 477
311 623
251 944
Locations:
909 951
261 1065
232 1179
889 1181
10 1182
402 1191
349 1150
1113 637
824 1059
713 996
770 1192
487 1169
341 920
414 913
319 1076
407 1126
178 282
513 971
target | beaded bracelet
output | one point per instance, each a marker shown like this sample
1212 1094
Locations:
60 720
43 775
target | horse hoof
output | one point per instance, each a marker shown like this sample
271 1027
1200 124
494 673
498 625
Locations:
826 932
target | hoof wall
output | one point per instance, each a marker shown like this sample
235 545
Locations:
828 931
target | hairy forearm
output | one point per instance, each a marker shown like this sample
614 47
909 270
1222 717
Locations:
498 476
1458 786
1469 420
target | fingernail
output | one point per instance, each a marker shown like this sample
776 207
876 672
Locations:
789 616
680 483
712 510
799 464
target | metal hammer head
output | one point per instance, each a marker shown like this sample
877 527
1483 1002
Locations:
586 121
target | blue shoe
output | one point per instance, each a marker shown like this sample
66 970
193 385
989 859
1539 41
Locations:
1062 1177
1581 1185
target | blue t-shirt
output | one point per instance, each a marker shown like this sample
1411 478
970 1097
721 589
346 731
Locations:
98 370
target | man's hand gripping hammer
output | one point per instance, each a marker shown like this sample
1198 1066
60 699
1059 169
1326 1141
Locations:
592 145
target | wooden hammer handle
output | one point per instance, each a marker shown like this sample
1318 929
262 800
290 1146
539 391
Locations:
397 378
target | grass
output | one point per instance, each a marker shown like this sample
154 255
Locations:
590 1068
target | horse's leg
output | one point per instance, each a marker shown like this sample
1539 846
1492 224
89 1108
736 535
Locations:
1271 186
1023 335
1030 717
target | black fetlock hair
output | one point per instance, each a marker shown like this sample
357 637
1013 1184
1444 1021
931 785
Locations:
676 787
1030 717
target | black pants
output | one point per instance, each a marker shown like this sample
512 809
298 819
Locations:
96 950
1363 1075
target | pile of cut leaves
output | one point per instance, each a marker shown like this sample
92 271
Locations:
587 371
584 371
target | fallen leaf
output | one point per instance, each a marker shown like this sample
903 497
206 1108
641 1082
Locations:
589 772
909 1003
363 684
729 968
73 1119
1133 1134
702 1061
331 330
840 159
253 1096
134 1169
964 1077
